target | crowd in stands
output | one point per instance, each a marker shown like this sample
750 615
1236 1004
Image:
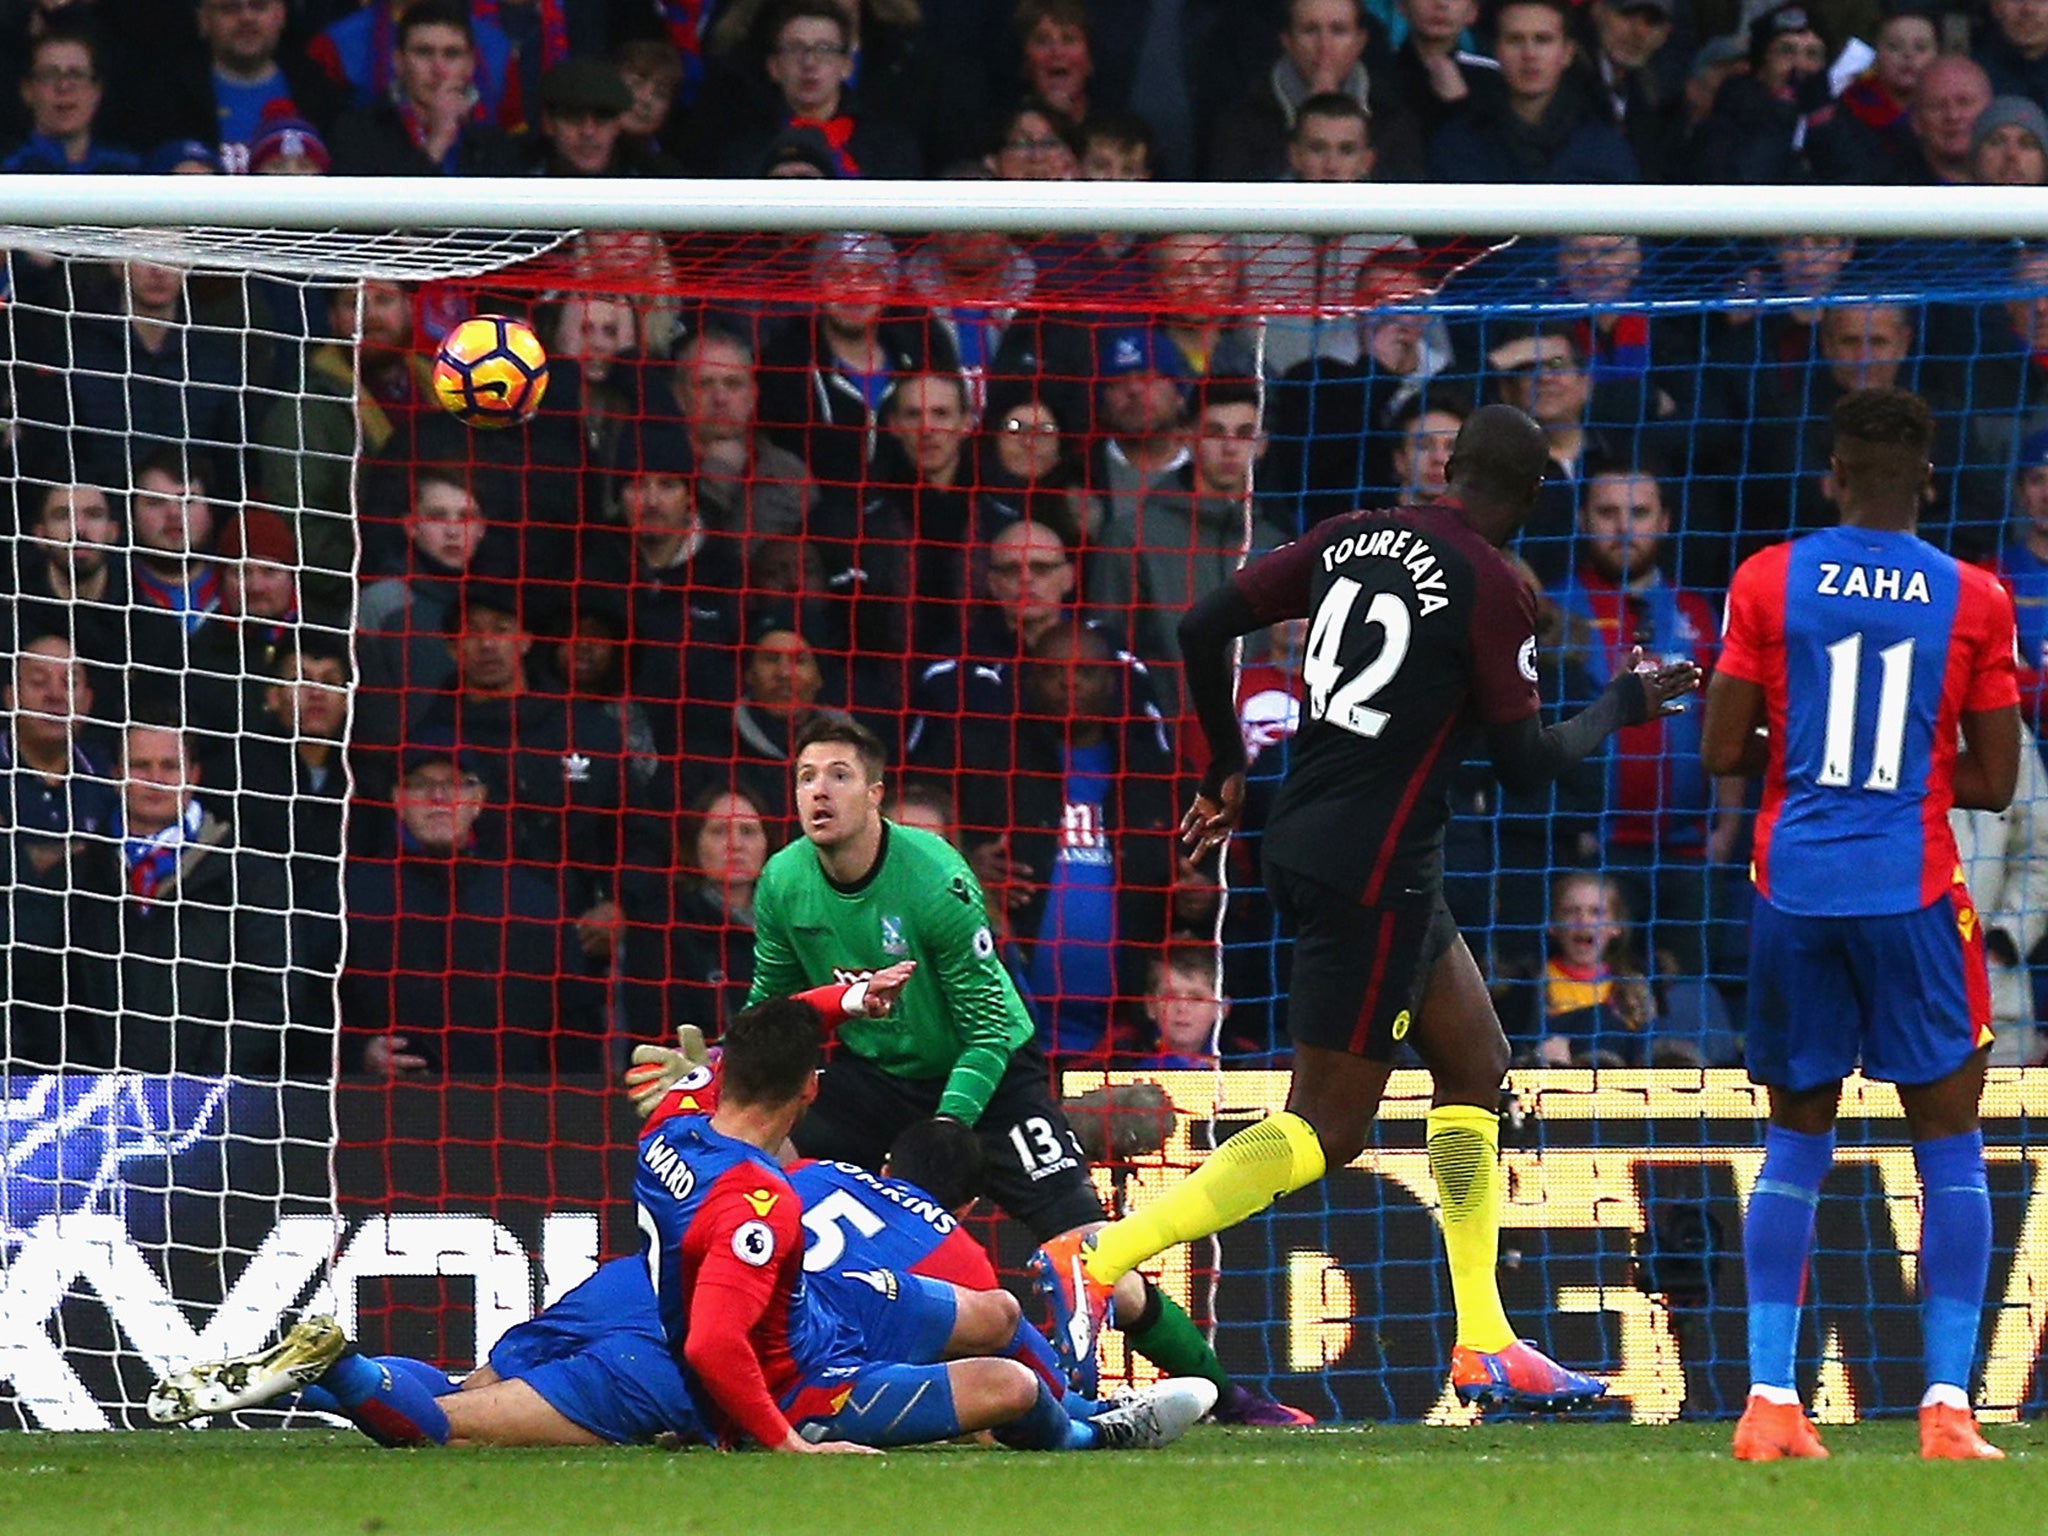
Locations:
1893 92
960 486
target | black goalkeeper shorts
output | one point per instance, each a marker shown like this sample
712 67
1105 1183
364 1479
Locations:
1034 1168
1359 971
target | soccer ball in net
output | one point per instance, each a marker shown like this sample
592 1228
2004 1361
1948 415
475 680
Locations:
491 372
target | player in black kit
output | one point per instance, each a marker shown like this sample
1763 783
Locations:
1421 646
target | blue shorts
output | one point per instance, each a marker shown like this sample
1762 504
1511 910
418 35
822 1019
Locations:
900 1318
599 1358
1905 996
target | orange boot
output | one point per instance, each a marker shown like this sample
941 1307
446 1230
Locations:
1778 1431
1950 1434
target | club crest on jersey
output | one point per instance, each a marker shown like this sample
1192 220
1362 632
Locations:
893 942
1525 659
762 1200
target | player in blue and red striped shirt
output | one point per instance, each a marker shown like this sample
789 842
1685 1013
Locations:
1853 660
887 1264
770 1359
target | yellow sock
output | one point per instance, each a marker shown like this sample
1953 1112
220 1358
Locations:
1240 1178
1464 1158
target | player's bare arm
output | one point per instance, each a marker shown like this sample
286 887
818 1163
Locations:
1207 632
655 1069
1987 770
1732 743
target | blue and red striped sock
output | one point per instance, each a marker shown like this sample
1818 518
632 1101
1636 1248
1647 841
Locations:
1029 1347
393 1408
436 1381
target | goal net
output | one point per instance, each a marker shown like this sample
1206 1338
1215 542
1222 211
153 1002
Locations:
376 782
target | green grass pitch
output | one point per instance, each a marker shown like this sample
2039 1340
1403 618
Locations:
1515 1478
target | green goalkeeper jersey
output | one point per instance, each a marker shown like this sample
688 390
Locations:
960 1017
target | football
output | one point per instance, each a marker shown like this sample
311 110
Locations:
491 371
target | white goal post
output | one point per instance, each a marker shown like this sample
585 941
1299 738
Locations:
1421 209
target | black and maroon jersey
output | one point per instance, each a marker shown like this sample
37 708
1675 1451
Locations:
1420 635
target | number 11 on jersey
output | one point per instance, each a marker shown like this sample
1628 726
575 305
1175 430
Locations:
1894 688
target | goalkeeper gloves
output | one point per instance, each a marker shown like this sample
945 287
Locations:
657 1068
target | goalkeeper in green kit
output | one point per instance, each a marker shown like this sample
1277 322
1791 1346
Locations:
859 893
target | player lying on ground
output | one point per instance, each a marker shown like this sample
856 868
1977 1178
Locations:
594 1367
857 1223
1854 658
771 1359
858 893
1422 646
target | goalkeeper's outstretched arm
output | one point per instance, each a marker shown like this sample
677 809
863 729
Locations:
657 1070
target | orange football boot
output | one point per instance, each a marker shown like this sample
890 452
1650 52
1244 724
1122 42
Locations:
1777 1432
1950 1434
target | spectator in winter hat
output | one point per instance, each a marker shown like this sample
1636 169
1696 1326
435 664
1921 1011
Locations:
1718 58
1749 136
182 157
2009 144
258 558
288 146
1142 398
799 152
583 108
230 658
1138 350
